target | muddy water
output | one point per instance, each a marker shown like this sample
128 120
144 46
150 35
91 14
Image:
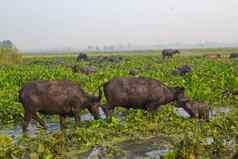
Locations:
152 148
14 131
52 126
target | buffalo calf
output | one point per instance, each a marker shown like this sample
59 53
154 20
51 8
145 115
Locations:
199 109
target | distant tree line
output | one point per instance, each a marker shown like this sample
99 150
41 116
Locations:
6 44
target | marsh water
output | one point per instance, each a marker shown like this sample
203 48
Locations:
212 112
151 148
16 130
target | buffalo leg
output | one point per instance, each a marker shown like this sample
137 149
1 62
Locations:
27 120
77 118
62 121
76 112
41 122
153 106
109 112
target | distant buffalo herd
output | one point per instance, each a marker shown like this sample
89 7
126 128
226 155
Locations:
67 98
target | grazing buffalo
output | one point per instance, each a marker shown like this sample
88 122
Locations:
61 97
88 69
169 52
233 55
84 69
182 70
82 56
213 56
112 59
139 92
199 109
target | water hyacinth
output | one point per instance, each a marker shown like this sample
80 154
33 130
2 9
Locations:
187 136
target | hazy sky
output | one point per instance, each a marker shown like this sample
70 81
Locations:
77 23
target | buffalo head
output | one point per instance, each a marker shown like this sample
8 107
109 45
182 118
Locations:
176 51
93 105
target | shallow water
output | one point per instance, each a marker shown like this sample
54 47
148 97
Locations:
152 148
15 131
213 112
218 110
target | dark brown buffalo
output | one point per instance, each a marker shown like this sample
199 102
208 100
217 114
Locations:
169 52
182 70
88 69
82 56
83 69
61 97
139 92
106 59
233 55
199 109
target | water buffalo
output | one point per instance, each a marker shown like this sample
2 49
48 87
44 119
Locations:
182 70
139 92
62 97
88 69
233 55
169 52
199 109
213 56
82 56
84 69
106 59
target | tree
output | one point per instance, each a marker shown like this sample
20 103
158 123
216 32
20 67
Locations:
7 44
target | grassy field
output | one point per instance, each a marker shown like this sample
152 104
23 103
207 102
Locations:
188 137
185 52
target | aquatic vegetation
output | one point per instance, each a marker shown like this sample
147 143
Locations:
189 137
